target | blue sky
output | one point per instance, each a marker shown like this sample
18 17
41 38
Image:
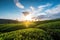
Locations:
12 9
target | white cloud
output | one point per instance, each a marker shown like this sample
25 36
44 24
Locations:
51 13
39 9
46 5
48 13
36 12
32 8
18 4
42 7
54 10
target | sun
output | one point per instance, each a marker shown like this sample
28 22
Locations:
28 18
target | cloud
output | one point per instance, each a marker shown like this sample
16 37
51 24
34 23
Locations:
18 4
39 10
32 8
26 13
54 10
47 14
42 7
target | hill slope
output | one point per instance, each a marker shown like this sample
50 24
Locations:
40 30
7 21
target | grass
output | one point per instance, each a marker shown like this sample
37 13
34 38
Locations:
11 27
52 25
44 30
26 34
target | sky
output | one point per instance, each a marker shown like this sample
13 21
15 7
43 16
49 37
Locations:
40 9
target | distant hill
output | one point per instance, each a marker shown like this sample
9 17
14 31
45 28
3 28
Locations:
7 21
47 21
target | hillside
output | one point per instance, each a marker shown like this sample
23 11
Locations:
40 30
7 21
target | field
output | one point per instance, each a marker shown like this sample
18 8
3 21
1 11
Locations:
39 30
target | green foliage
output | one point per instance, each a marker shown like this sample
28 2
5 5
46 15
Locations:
52 29
40 30
52 25
10 27
26 34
